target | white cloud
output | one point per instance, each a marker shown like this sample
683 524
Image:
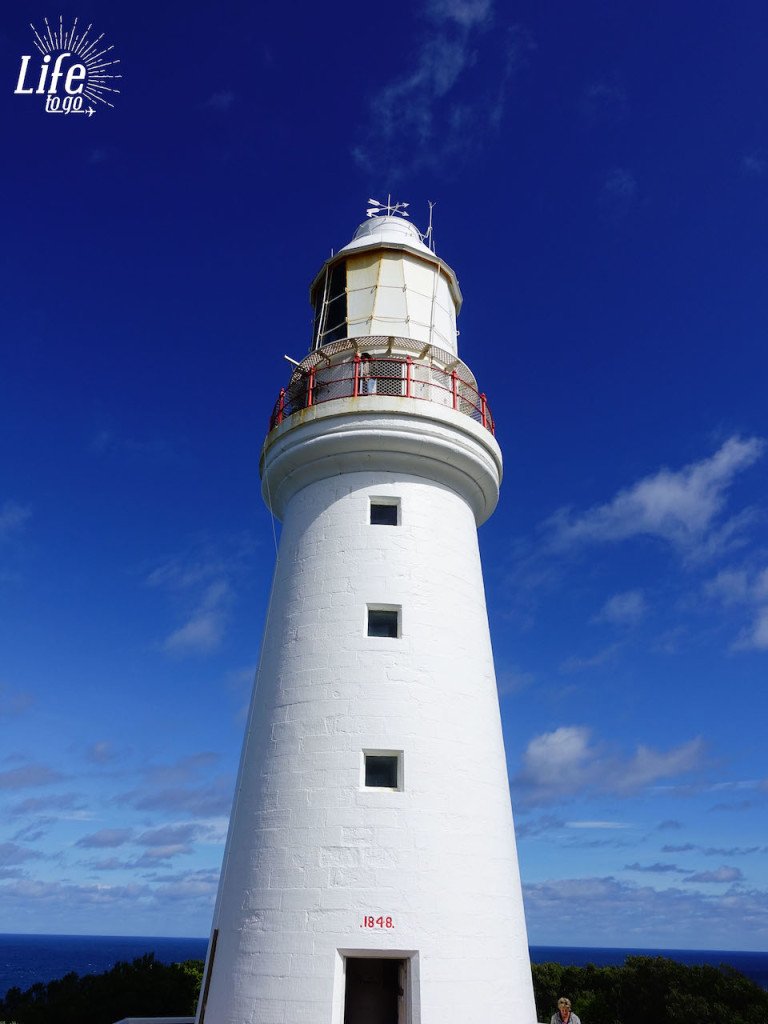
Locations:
538 826
680 507
106 838
513 680
55 805
747 587
29 776
597 824
755 637
12 853
202 581
204 630
719 876
101 752
169 835
625 609
467 13
656 869
563 762
433 112
172 789
617 910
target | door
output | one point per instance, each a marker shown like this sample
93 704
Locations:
374 992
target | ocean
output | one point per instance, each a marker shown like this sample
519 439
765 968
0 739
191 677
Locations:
27 959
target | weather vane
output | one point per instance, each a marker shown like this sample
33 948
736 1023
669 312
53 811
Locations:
390 208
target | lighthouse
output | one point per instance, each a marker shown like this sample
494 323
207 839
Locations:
370 873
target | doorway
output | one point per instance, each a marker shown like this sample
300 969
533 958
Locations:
374 990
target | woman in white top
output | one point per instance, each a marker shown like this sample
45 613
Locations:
564 1015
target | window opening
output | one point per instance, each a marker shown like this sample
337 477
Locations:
382 770
384 622
384 512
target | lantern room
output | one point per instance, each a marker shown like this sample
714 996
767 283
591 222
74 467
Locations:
386 281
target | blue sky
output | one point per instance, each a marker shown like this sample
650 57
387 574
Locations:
601 179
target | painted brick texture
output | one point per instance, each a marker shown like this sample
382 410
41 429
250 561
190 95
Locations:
311 852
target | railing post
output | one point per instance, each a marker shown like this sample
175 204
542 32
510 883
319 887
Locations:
484 410
281 407
408 365
356 385
455 388
311 387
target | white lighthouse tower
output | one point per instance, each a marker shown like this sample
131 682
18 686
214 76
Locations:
370 874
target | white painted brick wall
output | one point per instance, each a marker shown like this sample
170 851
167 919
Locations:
309 852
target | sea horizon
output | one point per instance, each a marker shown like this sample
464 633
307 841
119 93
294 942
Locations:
27 958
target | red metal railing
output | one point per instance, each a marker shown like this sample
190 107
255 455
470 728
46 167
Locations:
385 376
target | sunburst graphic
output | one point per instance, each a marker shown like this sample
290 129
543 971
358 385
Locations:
99 85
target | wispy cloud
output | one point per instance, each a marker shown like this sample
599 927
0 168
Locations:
714 851
610 825
182 770
107 442
625 609
619 193
178 789
538 826
12 853
106 838
13 516
204 629
603 102
578 663
682 508
616 909
452 96
202 581
513 680
53 805
169 835
29 776
754 165
721 875
657 868
747 587
561 763
220 102
14 702
101 752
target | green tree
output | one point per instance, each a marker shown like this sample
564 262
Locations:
144 988
651 989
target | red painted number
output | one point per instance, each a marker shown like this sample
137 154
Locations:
369 921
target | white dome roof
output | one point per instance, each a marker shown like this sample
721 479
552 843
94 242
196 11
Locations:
387 230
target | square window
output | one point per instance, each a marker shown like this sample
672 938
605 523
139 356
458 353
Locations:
382 770
383 621
385 512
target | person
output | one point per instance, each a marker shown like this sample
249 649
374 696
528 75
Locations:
367 377
564 1015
